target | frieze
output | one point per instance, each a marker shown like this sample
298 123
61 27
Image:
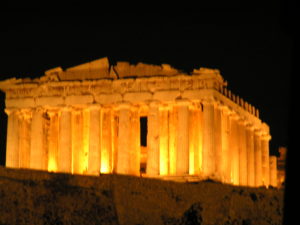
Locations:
121 86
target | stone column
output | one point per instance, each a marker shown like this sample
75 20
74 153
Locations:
194 139
234 149
163 140
198 123
225 134
38 150
218 142
257 158
65 141
182 156
94 157
85 138
114 139
172 140
53 139
77 141
208 163
242 153
250 155
265 159
106 140
135 146
273 171
124 142
12 143
153 140
24 137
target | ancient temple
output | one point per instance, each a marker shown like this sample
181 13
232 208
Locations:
86 120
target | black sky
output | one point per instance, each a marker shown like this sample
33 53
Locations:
251 47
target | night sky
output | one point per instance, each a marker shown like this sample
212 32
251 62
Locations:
251 47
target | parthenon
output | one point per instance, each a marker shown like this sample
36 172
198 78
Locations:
87 120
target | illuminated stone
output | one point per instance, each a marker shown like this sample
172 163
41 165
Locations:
86 120
153 140
38 149
257 158
94 156
250 155
64 163
12 145
273 171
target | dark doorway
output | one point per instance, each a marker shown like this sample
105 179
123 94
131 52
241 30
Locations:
143 130
143 136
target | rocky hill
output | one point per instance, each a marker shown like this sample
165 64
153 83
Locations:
35 197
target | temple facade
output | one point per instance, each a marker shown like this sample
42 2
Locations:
87 120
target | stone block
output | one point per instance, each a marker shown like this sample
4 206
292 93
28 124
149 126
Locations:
79 99
137 97
193 94
49 101
166 95
20 103
108 99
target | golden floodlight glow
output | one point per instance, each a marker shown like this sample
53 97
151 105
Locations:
52 165
86 142
104 162
86 120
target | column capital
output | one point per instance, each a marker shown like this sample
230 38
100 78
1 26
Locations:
153 103
26 113
257 131
65 109
93 106
164 107
234 115
242 121
124 105
182 102
266 136
10 111
249 126
208 100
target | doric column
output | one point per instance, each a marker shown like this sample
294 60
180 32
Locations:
250 155
77 141
114 139
225 134
182 156
242 153
218 142
172 140
53 139
38 148
265 159
234 149
65 141
94 156
257 158
135 146
85 138
106 140
208 138
273 171
163 140
153 140
194 139
12 141
124 142
24 138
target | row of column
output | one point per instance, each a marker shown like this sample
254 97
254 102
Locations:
209 140
75 140
185 138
